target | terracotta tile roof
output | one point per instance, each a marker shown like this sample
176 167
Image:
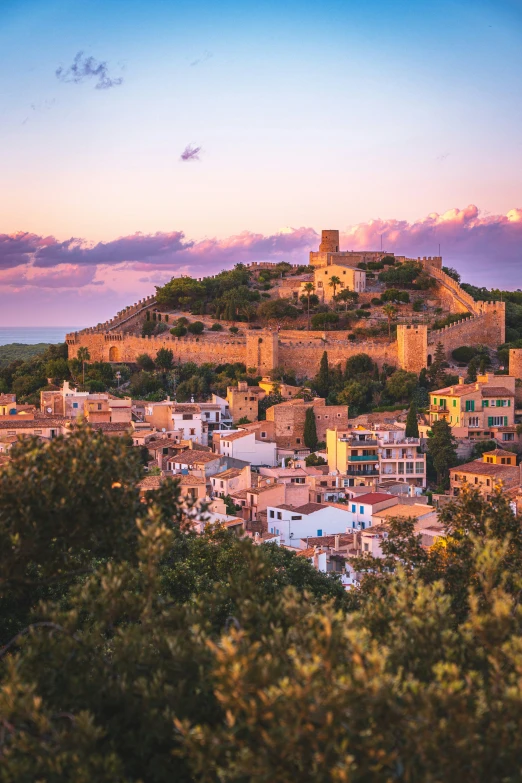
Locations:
185 407
162 443
193 456
239 494
150 482
329 541
228 474
497 391
265 488
190 481
308 508
110 426
374 497
235 522
7 399
401 510
23 423
499 453
306 552
234 435
480 468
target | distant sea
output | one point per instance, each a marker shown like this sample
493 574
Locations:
30 335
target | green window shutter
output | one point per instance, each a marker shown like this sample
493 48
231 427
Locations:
490 421
509 403
499 403
486 403
505 421
472 405
434 400
454 403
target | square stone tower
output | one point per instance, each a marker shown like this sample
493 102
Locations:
262 350
412 346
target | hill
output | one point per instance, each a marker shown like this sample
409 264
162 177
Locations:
20 352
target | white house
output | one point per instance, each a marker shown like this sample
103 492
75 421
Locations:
361 510
293 523
241 444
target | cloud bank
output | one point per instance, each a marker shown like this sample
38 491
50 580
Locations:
486 250
85 68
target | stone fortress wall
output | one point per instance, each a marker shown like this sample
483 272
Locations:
302 350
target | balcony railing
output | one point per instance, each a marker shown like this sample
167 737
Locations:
356 443
363 458
439 409
366 472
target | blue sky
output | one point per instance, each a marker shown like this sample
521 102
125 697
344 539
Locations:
308 114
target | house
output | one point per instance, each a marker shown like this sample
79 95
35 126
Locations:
361 510
286 391
193 487
420 512
7 404
324 486
289 420
243 401
496 468
70 403
402 460
258 499
354 453
231 480
46 427
243 445
350 279
473 409
185 418
293 523
202 463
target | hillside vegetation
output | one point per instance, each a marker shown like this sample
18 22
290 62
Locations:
13 352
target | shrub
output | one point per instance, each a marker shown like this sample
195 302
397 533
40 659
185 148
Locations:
362 314
376 301
182 321
179 331
322 320
418 305
148 328
464 354
196 328
216 327
233 330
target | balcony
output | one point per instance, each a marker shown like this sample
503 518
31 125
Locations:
365 472
356 443
363 458
439 409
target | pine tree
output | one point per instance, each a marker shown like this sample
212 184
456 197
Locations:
443 450
310 430
412 427
322 379
436 372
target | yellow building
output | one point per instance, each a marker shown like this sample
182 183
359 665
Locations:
7 404
355 454
350 279
497 467
473 409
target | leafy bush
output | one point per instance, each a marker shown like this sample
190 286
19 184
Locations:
464 354
179 331
362 314
233 330
196 328
323 320
216 327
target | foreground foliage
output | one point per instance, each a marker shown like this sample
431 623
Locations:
208 659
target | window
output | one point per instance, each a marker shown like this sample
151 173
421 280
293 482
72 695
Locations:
508 436
419 467
99 406
263 434
454 403
221 484
366 548
361 509
75 404
319 532
470 405
279 515
354 508
473 421
38 432
192 431
297 516
165 450
409 467
485 403
497 421
271 513
187 417
298 440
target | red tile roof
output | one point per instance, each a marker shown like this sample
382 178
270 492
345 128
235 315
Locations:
372 498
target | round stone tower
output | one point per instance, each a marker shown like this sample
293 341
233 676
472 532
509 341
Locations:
329 242
515 362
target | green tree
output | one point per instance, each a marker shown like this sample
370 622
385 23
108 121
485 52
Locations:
83 356
308 288
196 327
145 362
164 359
437 370
348 297
442 448
333 283
390 311
322 379
313 461
310 430
358 364
401 385
412 425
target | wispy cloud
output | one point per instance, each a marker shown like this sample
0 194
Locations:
86 68
190 153
204 57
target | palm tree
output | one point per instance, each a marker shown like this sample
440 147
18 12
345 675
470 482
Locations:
308 288
334 282
390 311
83 356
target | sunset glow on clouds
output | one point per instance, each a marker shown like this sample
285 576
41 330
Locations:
104 276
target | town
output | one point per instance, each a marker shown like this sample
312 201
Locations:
351 391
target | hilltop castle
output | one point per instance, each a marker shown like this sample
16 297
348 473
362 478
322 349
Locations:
262 350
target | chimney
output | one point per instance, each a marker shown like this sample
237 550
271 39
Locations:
461 381
336 542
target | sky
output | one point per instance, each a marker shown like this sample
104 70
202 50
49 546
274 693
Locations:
141 140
